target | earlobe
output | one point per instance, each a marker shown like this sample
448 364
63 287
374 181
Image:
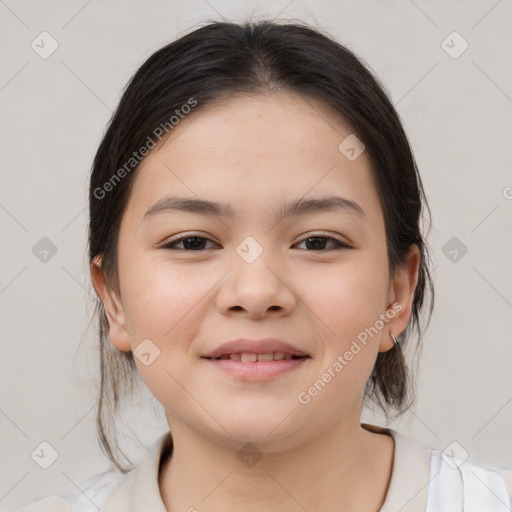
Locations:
402 290
118 334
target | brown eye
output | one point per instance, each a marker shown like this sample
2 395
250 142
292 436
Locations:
317 243
190 243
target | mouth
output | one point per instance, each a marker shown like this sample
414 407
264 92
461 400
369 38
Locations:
253 350
253 357
256 359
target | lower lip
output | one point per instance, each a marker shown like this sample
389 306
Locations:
256 370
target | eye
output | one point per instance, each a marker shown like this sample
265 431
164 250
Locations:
190 243
318 242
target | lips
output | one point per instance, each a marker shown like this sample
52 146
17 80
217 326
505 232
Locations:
248 357
267 349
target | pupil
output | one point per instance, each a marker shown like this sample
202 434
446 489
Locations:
197 241
318 240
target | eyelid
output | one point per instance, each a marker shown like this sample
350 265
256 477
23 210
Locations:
325 234
186 234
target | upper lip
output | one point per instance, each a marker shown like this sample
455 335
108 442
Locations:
261 346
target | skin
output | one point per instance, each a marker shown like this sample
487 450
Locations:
254 153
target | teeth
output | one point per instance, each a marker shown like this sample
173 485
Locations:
266 357
249 357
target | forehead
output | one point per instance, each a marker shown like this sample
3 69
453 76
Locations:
253 152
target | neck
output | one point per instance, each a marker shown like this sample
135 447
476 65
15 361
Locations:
344 468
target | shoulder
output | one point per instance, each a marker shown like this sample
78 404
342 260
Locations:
92 494
425 479
456 483
113 490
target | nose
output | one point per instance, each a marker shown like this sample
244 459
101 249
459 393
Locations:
256 289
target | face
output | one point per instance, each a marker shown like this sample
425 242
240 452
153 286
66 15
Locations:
317 278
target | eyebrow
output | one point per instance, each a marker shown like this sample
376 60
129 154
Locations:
288 208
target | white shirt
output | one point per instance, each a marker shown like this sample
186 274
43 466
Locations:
422 480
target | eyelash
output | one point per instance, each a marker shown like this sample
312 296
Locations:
338 243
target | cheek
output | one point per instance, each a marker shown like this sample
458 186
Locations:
346 297
346 302
165 304
161 298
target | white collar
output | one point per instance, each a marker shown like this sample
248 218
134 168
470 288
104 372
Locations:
407 491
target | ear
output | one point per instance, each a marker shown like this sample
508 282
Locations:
401 297
118 334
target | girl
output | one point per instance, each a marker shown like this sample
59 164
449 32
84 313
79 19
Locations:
255 244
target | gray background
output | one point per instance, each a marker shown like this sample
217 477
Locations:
456 112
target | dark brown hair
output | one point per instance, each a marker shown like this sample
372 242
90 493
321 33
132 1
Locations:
214 62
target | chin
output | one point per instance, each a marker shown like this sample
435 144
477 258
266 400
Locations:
271 432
